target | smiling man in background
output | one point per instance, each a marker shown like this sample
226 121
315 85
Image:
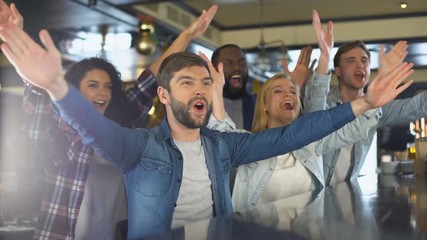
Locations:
239 103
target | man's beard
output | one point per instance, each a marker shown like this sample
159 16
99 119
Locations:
233 94
182 113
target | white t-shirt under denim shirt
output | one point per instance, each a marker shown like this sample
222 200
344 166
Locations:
195 195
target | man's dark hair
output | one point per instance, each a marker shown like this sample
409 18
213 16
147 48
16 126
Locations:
216 53
174 63
347 47
78 70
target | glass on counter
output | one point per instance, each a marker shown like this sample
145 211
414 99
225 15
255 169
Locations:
411 151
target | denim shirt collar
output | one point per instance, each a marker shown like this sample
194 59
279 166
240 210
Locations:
165 132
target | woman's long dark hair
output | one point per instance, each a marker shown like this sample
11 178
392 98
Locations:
77 72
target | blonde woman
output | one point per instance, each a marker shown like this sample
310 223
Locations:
278 104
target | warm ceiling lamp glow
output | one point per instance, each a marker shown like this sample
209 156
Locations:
146 44
403 5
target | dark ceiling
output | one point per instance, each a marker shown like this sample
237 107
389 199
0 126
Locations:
65 17
232 14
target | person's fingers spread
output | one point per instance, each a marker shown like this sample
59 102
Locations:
308 57
312 65
300 56
403 87
397 75
403 74
285 66
394 73
315 16
11 38
201 54
404 55
24 40
10 55
330 27
47 40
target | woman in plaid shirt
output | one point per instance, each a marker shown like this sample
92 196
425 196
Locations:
73 170
84 195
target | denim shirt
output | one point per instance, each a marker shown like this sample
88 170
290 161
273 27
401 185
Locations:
153 165
315 92
396 112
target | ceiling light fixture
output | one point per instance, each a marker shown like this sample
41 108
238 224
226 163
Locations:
263 63
146 44
403 5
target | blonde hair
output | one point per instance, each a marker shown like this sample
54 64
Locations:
259 122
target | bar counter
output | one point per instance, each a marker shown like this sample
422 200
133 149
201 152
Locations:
372 207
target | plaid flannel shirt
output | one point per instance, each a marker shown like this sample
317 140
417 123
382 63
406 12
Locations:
66 159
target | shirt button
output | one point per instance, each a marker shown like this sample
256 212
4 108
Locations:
179 179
